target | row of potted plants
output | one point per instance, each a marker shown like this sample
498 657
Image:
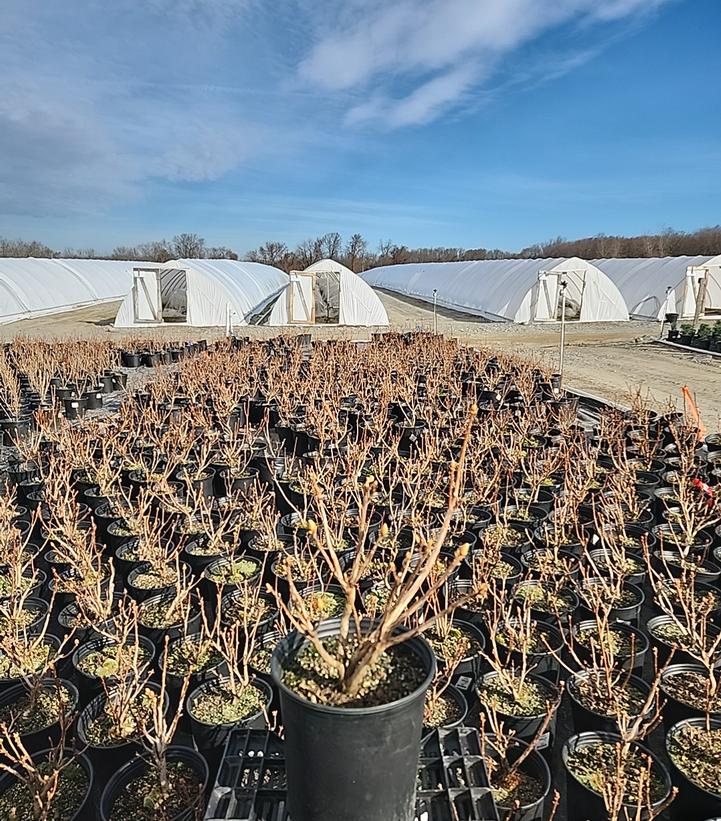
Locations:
706 337
325 543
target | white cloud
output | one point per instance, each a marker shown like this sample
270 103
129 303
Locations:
94 117
102 100
420 106
438 48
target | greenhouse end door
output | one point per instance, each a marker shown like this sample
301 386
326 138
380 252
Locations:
301 298
147 306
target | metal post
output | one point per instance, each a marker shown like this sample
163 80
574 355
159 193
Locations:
562 352
435 314
665 311
700 298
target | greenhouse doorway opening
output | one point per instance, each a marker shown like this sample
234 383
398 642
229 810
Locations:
312 298
160 295
174 295
327 297
702 298
558 293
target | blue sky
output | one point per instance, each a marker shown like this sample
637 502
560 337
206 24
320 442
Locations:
479 123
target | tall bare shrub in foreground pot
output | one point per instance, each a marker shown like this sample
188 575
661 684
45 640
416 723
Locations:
352 691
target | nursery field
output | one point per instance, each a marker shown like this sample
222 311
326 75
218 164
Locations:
610 360
405 580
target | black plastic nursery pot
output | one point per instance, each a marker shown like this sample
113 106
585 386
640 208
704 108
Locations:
629 613
525 727
15 430
542 662
174 681
75 407
670 537
211 584
469 665
39 610
693 802
674 708
592 804
94 399
120 380
180 628
603 560
197 557
638 640
666 647
536 767
211 736
105 382
232 483
587 720
204 483
351 764
84 810
52 643
107 758
669 562
140 592
130 359
545 561
49 735
119 782
90 685
152 359
452 693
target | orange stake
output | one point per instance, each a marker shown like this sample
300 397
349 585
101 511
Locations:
692 411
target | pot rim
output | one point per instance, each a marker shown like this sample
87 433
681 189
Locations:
294 641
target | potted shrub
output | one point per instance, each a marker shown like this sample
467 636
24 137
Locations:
703 336
518 775
715 344
370 684
53 783
613 777
237 698
166 783
694 749
686 333
111 725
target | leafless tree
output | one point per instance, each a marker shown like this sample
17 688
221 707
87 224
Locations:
188 246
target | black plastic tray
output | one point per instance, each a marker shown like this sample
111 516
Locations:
452 780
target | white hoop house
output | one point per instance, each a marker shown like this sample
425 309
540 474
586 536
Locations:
329 293
653 287
32 287
510 290
200 292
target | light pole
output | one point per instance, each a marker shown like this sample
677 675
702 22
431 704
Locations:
562 352
435 315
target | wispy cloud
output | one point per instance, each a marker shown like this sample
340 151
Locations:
102 100
416 58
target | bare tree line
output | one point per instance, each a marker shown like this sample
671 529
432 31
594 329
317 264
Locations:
182 246
668 243
356 253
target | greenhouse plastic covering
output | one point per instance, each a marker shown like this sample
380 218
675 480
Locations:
643 283
358 304
214 291
517 290
32 287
